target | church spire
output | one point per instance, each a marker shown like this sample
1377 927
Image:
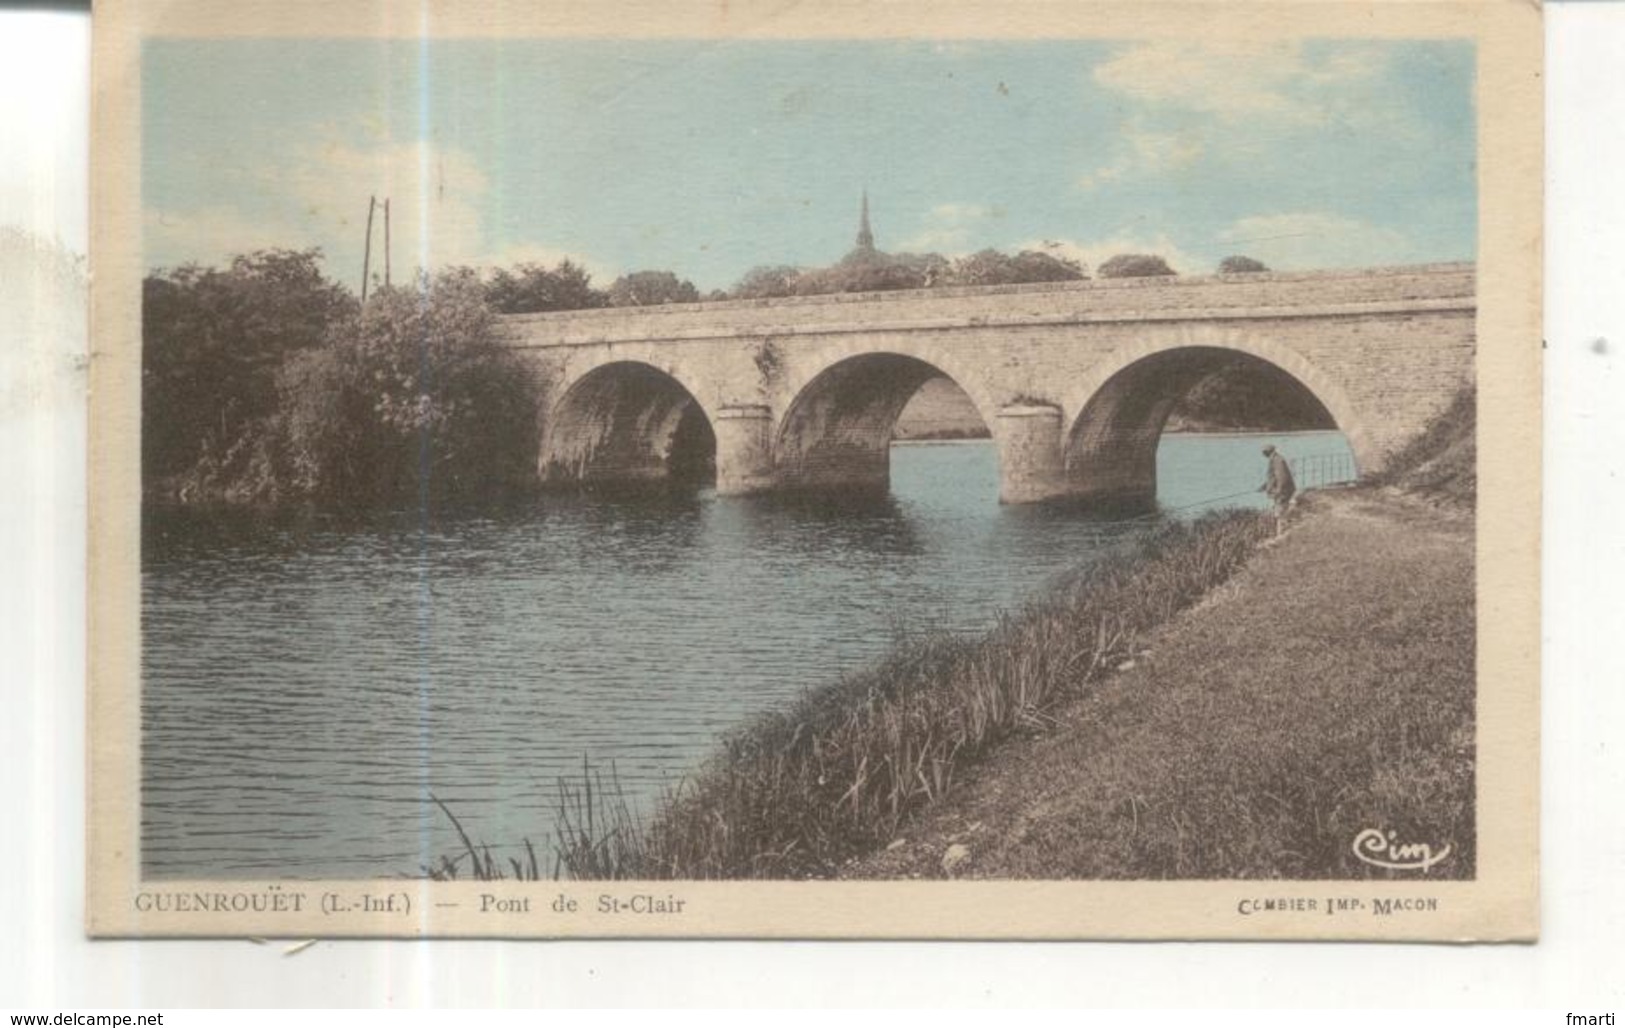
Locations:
866 238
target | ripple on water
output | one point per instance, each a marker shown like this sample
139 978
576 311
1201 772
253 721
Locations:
307 683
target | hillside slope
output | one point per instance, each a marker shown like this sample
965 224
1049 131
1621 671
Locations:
1325 690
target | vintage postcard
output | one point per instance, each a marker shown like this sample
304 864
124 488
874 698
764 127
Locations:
912 470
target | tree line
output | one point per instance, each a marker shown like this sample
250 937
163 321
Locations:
265 381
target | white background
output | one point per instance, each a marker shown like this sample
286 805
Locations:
45 963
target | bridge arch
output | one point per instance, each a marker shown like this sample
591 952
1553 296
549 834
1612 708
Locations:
627 421
1397 342
837 428
1110 447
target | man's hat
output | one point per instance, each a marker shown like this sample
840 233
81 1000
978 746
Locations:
1268 450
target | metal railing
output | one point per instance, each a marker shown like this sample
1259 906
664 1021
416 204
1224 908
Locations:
1316 471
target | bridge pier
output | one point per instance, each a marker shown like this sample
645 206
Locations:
1032 465
1381 350
744 449
1123 476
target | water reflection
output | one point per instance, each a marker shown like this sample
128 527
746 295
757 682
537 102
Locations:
310 680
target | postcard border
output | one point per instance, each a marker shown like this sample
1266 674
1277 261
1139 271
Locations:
1500 904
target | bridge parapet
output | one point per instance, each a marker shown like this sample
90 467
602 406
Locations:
1073 380
1182 298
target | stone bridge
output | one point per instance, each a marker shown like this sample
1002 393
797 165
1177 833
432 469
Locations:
1074 380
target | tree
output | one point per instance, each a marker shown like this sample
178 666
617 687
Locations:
530 288
1037 266
866 270
869 271
212 343
990 267
1239 265
1135 265
982 268
766 280
648 288
415 395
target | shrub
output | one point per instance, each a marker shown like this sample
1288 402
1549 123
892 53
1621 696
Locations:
648 288
1442 461
414 396
990 267
532 288
869 271
1135 265
1238 265
767 280
213 341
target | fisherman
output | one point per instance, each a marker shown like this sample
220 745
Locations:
1278 486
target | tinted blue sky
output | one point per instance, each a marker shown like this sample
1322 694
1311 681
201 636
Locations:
708 158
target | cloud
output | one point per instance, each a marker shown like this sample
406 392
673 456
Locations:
317 194
1319 239
954 229
1091 254
1141 152
1235 81
1296 241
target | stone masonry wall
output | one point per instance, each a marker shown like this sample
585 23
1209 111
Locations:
1384 349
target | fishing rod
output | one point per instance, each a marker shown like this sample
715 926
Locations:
1106 527
1200 503
1212 500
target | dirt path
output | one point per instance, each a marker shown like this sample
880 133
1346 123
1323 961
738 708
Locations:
1328 688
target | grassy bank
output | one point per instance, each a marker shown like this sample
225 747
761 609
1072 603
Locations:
802 791
1183 716
1441 464
1327 690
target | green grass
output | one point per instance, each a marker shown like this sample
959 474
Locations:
596 836
1330 690
799 792
1442 462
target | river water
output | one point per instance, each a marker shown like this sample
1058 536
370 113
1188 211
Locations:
307 683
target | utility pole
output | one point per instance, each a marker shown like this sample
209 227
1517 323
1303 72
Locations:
386 242
366 252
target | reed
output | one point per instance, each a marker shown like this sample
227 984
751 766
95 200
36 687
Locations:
482 865
597 835
798 792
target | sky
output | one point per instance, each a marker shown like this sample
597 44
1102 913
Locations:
708 158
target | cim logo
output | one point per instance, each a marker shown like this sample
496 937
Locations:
1383 849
